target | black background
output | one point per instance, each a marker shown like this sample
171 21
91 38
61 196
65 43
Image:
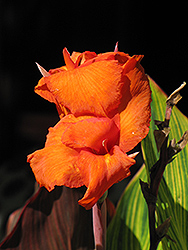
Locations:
39 30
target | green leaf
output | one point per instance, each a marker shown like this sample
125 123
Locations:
130 224
129 228
172 196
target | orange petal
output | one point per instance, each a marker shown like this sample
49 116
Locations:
43 90
68 61
80 58
121 57
55 166
84 57
91 133
56 163
55 134
75 56
99 173
125 91
135 117
94 89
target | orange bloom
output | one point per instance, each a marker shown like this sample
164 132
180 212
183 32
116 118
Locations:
108 98
82 151
89 83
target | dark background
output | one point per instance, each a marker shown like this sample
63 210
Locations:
38 30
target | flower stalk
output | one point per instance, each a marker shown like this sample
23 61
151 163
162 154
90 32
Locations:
99 225
150 190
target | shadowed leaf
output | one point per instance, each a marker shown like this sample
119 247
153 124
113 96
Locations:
52 221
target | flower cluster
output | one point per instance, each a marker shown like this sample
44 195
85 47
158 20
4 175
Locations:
104 106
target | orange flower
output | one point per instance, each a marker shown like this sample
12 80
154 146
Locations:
89 83
82 151
88 146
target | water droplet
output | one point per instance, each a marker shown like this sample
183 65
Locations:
167 205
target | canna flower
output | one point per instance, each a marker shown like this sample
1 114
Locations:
83 150
89 83
89 146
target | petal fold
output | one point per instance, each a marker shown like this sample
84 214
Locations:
56 163
135 117
91 133
102 172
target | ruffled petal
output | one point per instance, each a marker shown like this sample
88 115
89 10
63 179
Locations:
121 57
56 166
135 116
94 89
98 134
75 55
84 57
43 90
55 134
56 163
99 173
125 91
95 79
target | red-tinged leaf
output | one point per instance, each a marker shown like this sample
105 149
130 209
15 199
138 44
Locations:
110 209
52 220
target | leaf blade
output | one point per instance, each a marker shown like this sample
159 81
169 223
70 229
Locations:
125 230
52 221
172 200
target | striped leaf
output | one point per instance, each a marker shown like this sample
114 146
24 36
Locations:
129 228
172 197
52 221
130 224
